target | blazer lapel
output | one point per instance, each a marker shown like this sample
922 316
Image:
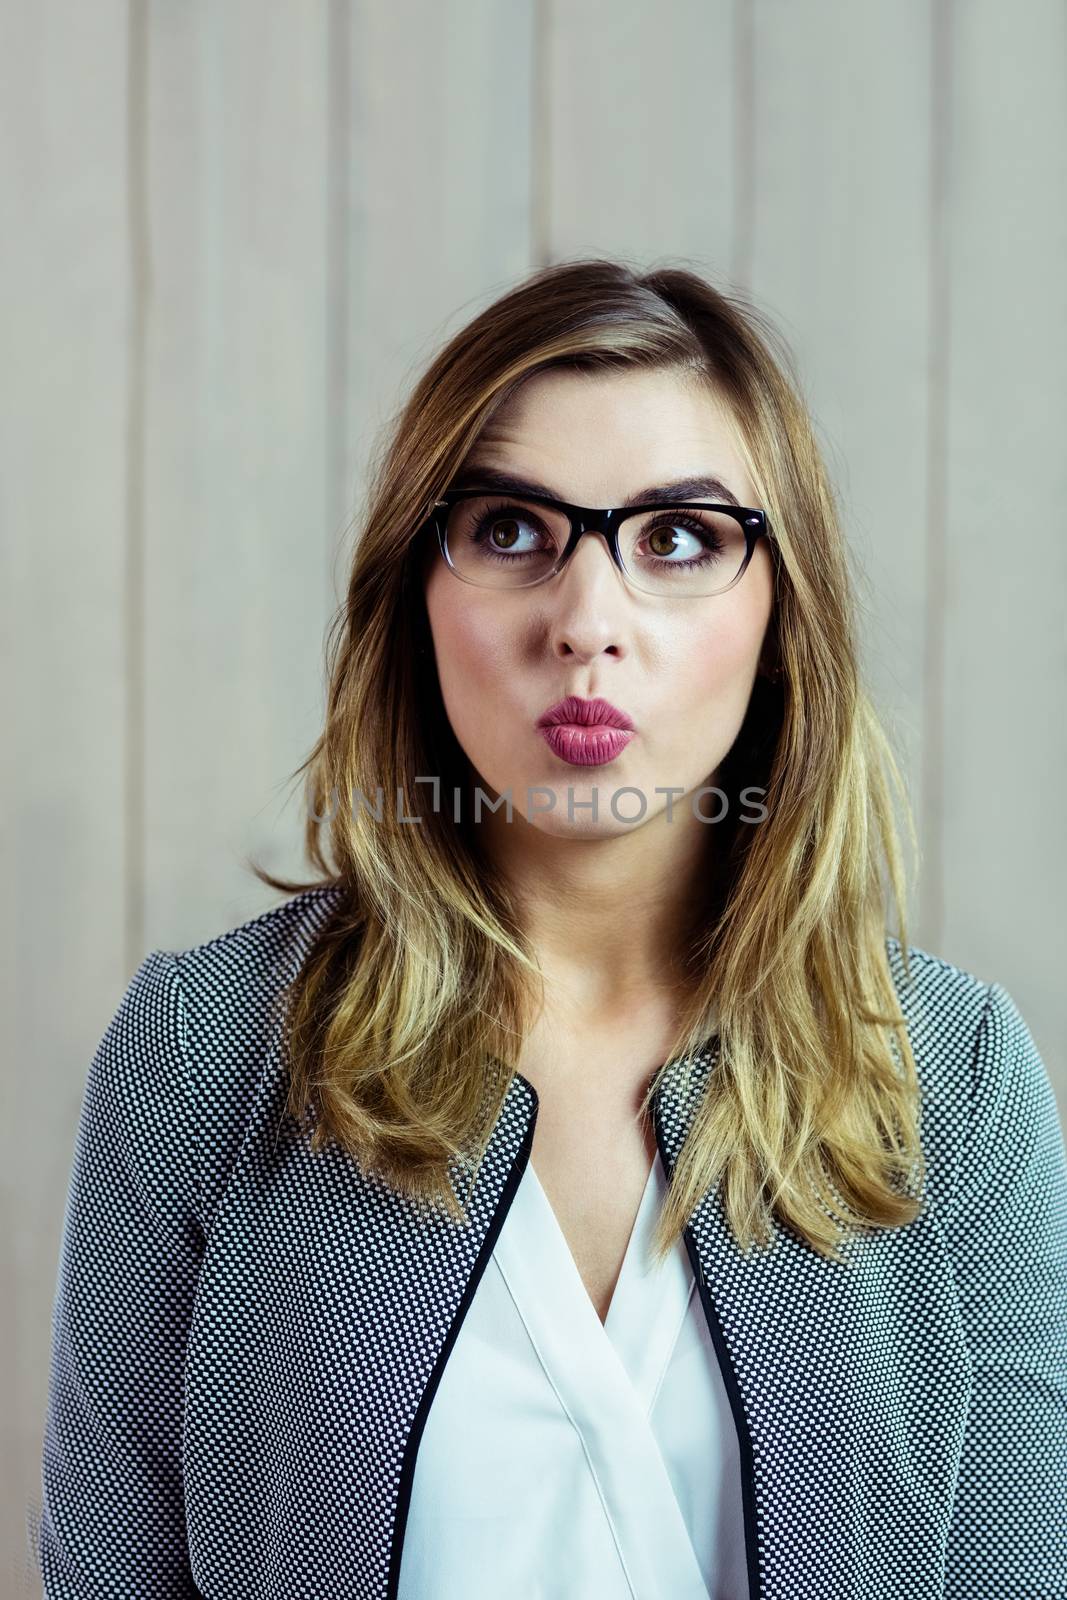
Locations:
837 1408
326 1308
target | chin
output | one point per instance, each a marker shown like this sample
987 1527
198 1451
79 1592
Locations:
556 825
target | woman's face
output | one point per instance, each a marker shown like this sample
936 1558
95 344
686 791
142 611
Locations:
682 669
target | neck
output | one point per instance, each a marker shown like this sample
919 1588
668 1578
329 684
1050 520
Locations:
609 919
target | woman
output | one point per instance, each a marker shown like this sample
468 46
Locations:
574 1190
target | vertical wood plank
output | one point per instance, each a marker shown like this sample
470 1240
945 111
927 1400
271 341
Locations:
841 258
1005 645
236 450
645 131
439 199
65 508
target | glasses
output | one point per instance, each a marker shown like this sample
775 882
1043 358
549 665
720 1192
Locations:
505 541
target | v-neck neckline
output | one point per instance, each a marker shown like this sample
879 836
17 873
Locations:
632 1241
643 1321
607 1375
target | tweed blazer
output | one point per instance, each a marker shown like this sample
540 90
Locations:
247 1337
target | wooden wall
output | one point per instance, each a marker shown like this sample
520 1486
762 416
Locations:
234 233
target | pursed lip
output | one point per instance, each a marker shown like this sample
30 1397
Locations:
580 713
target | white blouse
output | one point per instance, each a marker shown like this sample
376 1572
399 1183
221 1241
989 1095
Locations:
564 1456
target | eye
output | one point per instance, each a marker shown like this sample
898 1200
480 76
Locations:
677 539
486 531
502 530
684 538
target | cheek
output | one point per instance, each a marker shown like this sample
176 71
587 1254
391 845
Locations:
727 638
470 647
718 663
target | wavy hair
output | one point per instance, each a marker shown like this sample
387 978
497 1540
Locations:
405 1020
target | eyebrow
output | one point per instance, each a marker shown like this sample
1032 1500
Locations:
666 494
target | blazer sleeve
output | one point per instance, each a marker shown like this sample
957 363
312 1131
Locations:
1008 1226
112 1506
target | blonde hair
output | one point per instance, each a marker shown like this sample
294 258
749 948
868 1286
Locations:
405 1018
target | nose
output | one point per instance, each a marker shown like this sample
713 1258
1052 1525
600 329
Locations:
586 616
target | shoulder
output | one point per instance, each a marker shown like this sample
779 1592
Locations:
230 982
943 1006
942 1003
190 1043
955 1019
986 1095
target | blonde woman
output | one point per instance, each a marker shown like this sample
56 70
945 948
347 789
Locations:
574 1190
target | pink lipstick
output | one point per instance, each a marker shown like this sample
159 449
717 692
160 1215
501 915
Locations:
585 733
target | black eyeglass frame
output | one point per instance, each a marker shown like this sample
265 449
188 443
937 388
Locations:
590 519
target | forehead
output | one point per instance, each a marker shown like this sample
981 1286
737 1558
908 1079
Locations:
598 438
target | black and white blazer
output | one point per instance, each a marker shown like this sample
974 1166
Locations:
247 1337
